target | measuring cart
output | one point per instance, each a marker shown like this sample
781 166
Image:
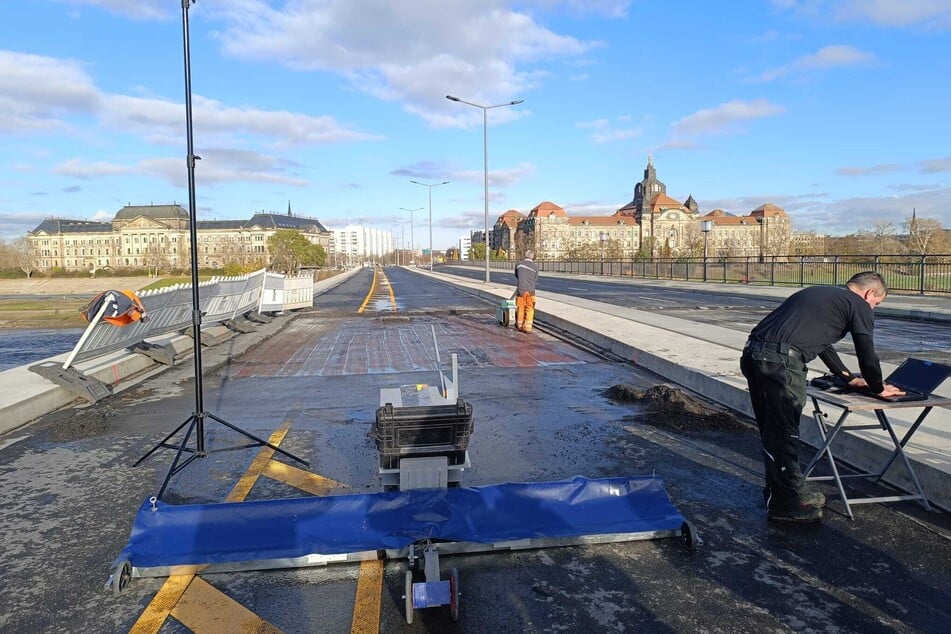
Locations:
424 447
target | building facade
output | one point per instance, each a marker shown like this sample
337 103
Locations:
652 225
158 236
355 245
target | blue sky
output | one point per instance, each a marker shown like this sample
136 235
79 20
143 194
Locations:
839 111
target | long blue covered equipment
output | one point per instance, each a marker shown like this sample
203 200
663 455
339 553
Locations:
165 537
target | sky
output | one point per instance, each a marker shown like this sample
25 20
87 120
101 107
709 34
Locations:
838 111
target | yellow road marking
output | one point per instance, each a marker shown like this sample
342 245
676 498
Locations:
161 605
370 294
204 608
392 296
366 607
303 480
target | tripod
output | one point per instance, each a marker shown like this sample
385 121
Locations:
196 422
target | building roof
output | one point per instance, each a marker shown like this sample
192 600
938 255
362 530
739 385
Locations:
56 226
281 221
663 201
547 209
768 210
156 212
718 213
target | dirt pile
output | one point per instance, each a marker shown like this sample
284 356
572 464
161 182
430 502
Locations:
675 409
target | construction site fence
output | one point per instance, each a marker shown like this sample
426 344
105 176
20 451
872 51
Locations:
905 273
169 310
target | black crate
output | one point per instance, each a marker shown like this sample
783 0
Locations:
431 430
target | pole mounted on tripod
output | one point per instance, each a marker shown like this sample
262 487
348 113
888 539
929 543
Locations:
196 422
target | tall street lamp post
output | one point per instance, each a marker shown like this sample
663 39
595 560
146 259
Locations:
430 188
485 156
412 241
706 226
604 238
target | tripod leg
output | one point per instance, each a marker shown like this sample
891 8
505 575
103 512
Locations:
258 440
190 419
175 468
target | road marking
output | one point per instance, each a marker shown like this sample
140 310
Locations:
392 296
300 479
204 608
172 591
367 606
370 294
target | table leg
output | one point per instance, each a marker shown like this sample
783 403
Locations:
904 440
899 449
825 449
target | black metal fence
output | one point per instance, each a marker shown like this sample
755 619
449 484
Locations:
914 274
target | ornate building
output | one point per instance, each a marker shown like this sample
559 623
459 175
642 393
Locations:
652 225
157 236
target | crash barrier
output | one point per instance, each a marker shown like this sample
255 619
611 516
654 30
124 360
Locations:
286 293
909 273
169 310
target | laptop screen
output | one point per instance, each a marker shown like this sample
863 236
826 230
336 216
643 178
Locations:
917 375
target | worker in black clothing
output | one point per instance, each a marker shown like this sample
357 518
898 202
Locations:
774 360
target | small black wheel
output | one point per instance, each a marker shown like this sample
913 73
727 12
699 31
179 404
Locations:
454 594
122 576
689 534
409 597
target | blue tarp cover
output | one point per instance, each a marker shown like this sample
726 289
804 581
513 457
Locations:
171 535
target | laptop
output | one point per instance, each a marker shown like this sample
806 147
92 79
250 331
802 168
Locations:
917 378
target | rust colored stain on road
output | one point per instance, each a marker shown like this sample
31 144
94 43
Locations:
318 346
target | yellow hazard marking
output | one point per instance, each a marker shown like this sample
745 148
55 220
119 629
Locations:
421 386
366 607
392 296
160 607
366 300
204 608
165 600
298 478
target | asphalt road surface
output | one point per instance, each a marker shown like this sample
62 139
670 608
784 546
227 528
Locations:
68 494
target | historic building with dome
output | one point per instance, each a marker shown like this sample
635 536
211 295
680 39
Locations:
652 225
157 236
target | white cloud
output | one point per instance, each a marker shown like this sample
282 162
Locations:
137 9
723 117
604 133
36 92
400 51
77 168
871 170
932 166
888 13
826 57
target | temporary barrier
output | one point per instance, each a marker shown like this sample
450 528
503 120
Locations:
170 310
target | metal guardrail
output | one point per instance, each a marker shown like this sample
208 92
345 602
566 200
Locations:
917 274
170 310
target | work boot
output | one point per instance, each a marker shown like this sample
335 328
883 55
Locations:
801 512
812 498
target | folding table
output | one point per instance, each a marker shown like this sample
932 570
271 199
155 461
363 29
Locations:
855 402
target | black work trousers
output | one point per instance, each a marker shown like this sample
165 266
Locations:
777 383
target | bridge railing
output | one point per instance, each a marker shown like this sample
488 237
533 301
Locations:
170 310
906 273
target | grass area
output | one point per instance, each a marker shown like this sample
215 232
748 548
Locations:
55 312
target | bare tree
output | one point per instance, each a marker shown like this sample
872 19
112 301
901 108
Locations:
884 241
922 233
25 259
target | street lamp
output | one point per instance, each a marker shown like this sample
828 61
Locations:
485 156
430 188
412 241
604 238
706 226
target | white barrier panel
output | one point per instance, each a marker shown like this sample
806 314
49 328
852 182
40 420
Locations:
299 291
272 295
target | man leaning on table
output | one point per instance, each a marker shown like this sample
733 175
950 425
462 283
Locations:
774 360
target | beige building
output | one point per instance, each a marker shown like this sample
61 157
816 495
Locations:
157 236
652 225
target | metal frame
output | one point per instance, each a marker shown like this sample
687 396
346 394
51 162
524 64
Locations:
828 434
